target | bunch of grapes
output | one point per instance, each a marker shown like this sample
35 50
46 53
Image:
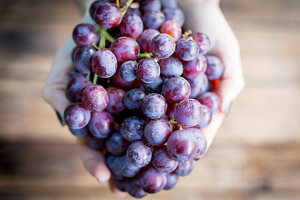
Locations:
141 91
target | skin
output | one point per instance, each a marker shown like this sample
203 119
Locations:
201 15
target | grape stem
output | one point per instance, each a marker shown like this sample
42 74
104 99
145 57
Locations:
106 35
124 9
101 46
88 76
145 55
118 3
95 46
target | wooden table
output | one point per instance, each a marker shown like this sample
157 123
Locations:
254 157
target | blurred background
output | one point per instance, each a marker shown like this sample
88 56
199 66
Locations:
255 155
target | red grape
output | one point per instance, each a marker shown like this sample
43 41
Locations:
125 49
187 49
154 87
215 67
82 59
162 46
139 154
199 85
114 163
80 132
201 141
150 5
101 124
170 67
157 132
77 116
147 70
116 144
108 16
206 117
152 181
211 100
146 39
134 189
184 168
134 98
116 100
154 106
176 89
169 4
153 19
127 168
174 14
104 63
94 6
172 28
188 112
162 162
95 97
128 70
192 69
95 143
131 26
118 81
75 87
172 180
85 35
132 128
203 42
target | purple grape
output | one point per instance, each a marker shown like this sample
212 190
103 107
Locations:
95 98
132 129
211 100
187 49
134 189
169 4
157 132
174 14
182 145
147 70
95 143
201 141
108 16
116 144
75 87
154 87
77 116
170 111
172 28
134 98
131 26
192 69
82 59
170 67
176 89
215 67
125 49
203 42
101 124
85 35
139 154
94 6
114 163
118 81
104 63
146 39
172 180
188 112
128 70
152 181
206 117
153 19
134 11
120 185
150 5
80 132
116 100
162 162
128 169
184 168
162 46
154 106
199 85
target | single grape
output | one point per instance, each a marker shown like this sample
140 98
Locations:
169 4
118 81
203 42
206 117
77 116
134 11
95 5
128 70
95 143
104 63
162 46
108 16
75 87
170 67
114 163
101 124
134 98
120 185
215 67
125 49
154 87
147 70
128 169
176 89
174 14
188 112
172 28
132 128
192 69
80 132
82 59
139 154
157 132
153 19
134 189
85 35
95 98
150 5
116 100
152 181
131 26
211 100
116 144
182 145
172 180
154 106
146 38
199 85
184 168
162 162
201 141
187 49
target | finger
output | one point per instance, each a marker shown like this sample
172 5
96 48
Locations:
93 161
211 131
115 190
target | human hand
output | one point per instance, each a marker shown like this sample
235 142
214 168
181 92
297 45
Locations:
205 16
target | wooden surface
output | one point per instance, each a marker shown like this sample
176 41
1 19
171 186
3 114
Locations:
254 157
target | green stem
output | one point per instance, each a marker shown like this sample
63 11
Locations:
145 55
95 78
88 76
124 9
101 46
118 3
107 36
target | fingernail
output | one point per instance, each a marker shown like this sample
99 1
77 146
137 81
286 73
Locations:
60 118
226 111
103 181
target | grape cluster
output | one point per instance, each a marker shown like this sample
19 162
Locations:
141 91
